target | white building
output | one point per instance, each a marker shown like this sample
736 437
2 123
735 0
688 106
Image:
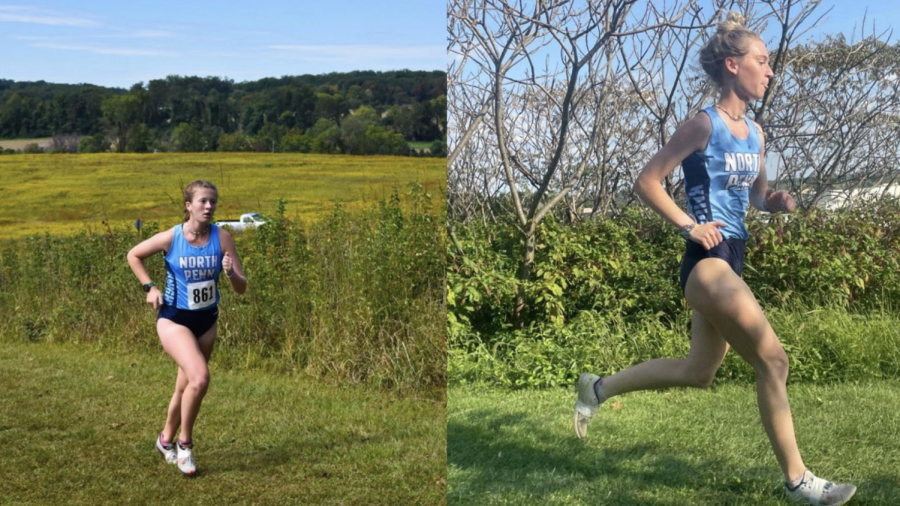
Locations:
836 199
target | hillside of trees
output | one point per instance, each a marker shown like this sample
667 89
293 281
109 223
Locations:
361 112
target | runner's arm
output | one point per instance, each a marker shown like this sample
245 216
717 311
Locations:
159 242
761 186
689 137
237 278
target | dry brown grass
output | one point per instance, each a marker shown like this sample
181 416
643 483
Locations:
19 144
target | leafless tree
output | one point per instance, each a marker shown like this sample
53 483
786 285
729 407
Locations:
624 143
65 143
834 124
661 66
792 20
470 99
542 69
475 188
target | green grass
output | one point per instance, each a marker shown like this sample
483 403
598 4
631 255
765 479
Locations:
64 193
680 447
824 344
77 426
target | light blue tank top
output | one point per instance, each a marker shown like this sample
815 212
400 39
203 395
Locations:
192 272
717 180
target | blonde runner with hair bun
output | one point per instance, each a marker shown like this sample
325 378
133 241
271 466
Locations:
723 159
732 39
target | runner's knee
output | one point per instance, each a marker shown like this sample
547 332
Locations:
774 362
699 376
199 380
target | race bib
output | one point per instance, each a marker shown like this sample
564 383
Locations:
201 294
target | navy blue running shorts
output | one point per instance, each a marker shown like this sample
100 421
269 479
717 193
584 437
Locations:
198 322
730 250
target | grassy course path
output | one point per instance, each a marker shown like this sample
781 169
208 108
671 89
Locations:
77 426
681 447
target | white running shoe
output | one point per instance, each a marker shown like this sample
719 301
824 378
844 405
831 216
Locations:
815 490
186 459
587 403
168 451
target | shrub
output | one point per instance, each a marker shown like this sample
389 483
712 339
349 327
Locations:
32 149
624 272
233 142
96 143
295 141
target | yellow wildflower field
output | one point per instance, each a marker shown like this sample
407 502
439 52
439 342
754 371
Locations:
65 193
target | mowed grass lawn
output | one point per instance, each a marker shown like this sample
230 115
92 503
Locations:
64 193
77 426
680 447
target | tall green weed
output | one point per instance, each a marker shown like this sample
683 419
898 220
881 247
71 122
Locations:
356 295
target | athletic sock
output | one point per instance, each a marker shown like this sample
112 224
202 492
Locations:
598 389
808 478
163 441
795 483
184 445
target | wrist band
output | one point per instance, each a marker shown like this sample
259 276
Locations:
229 276
686 230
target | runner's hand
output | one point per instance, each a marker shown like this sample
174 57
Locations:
154 297
227 264
780 201
707 235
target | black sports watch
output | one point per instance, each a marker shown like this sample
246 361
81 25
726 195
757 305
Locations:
148 286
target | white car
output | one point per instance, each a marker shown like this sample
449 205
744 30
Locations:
248 220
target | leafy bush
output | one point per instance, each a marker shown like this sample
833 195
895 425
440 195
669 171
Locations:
96 143
234 142
439 148
295 141
611 277
32 148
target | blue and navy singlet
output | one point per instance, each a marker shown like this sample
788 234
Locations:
192 272
717 180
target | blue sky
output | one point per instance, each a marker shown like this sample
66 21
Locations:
115 43
845 14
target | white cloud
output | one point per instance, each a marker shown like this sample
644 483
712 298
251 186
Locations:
23 14
144 34
105 50
140 34
362 53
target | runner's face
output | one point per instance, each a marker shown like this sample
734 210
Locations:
752 72
203 206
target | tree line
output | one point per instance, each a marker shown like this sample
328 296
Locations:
361 112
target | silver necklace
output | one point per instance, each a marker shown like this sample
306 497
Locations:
196 234
733 118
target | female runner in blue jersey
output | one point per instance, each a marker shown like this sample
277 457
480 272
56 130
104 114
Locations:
196 252
722 154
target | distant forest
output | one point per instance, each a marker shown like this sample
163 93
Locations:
360 112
